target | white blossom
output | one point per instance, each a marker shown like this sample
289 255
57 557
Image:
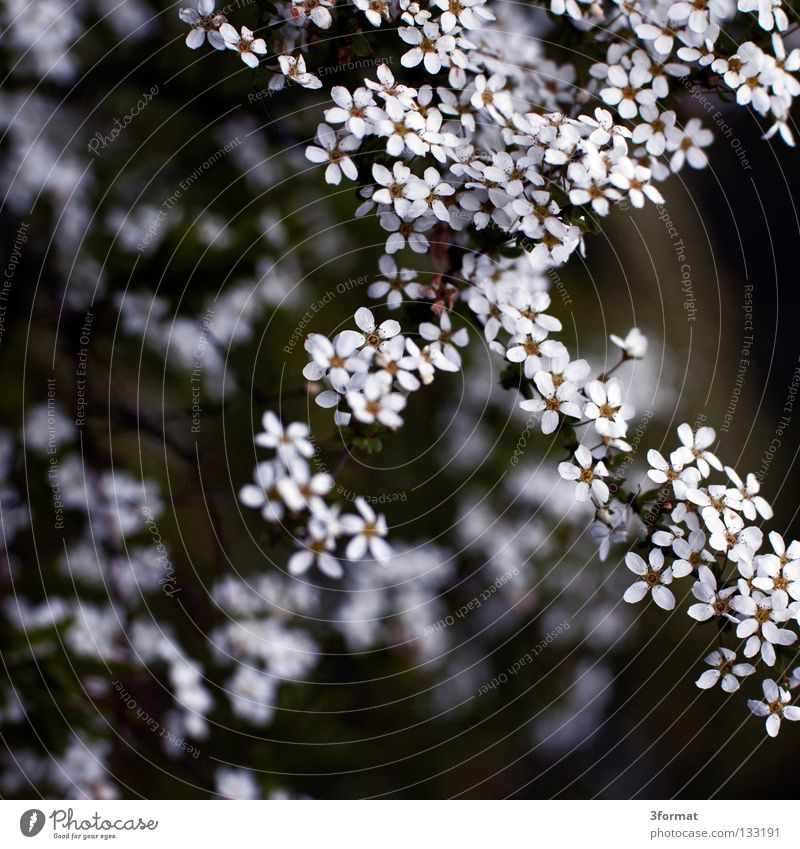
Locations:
334 150
654 578
725 669
248 46
775 707
588 476
367 531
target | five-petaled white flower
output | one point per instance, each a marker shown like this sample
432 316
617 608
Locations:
395 284
605 408
335 360
375 11
204 22
694 448
780 572
588 476
289 442
377 403
350 109
248 46
713 602
334 150
627 90
654 579
688 145
635 180
729 535
263 495
761 613
294 68
471 14
301 490
317 547
368 531
430 46
373 336
446 338
673 472
725 669
751 502
775 707
317 10
554 400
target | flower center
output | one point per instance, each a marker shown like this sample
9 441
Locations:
762 615
607 411
720 606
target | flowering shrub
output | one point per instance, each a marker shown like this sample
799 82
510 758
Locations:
482 147
518 161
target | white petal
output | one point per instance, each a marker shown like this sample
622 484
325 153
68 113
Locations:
708 679
663 597
636 592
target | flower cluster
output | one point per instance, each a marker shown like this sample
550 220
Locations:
286 490
375 367
707 531
676 39
455 163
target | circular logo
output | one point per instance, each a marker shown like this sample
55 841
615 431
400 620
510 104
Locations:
31 822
